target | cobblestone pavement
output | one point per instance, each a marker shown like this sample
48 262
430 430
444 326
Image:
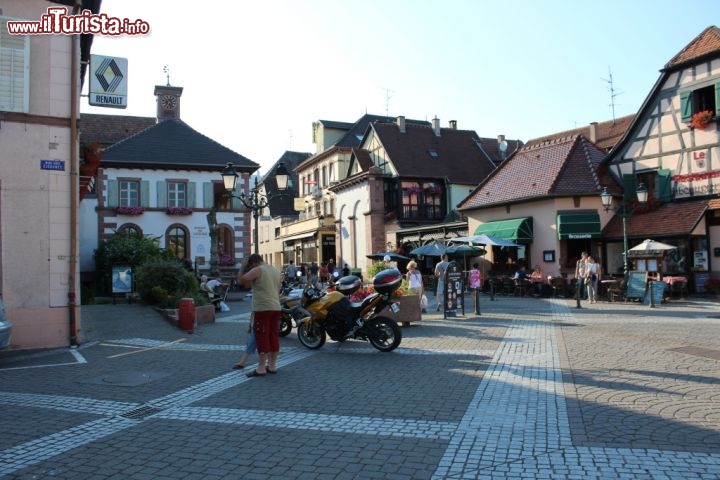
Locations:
532 388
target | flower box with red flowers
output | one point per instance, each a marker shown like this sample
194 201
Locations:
129 210
179 211
701 119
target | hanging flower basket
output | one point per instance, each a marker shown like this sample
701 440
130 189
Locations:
701 119
129 210
179 211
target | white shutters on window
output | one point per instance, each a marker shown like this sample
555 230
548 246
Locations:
14 70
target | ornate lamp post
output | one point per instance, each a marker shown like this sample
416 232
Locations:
624 210
254 200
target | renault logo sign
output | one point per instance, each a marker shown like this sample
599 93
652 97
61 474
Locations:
108 81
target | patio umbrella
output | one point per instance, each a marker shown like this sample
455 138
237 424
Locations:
483 239
432 249
394 257
650 248
464 251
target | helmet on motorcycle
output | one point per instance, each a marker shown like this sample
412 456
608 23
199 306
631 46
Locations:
349 284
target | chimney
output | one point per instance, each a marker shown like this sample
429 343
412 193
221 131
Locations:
501 138
436 126
593 131
453 124
401 123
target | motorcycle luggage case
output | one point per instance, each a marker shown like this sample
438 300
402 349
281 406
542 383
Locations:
348 285
387 281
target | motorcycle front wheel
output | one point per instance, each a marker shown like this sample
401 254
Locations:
311 335
383 333
285 325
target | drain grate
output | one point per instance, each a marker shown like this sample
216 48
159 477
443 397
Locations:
141 412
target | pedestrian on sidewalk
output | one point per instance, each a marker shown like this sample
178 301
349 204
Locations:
250 346
440 276
580 272
265 281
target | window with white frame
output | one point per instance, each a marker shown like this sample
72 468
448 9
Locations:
177 194
14 70
129 193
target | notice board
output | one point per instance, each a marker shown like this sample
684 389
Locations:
636 284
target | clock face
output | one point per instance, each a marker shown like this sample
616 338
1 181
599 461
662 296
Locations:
168 102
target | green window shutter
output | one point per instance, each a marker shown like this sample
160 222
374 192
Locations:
161 194
191 195
207 195
686 107
112 193
145 193
717 99
664 187
629 187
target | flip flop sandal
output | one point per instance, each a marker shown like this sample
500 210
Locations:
271 371
238 366
255 373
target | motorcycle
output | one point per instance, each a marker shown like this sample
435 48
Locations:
333 314
290 309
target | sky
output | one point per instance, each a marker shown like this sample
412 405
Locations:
257 74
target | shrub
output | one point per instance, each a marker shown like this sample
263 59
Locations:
165 282
377 267
128 248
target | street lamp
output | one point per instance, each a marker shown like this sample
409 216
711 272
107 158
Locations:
254 200
624 211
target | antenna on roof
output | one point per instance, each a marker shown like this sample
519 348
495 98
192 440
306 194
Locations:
387 101
166 71
613 94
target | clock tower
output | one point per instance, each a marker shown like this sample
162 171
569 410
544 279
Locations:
168 101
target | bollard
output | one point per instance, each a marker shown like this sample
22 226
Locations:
477 301
652 300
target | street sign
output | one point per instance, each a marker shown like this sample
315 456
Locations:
108 81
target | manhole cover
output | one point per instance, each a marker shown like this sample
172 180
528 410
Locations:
127 379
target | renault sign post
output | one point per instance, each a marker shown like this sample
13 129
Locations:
108 81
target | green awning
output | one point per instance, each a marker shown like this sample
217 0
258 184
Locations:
574 226
519 230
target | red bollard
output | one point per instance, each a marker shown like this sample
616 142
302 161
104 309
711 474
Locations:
186 315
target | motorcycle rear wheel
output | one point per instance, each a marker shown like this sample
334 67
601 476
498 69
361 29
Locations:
383 333
311 335
285 325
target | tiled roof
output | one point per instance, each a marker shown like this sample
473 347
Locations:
706 43
173 144
284 205
353 137
110 129
457 154
678 218
607 134
564 167
354 134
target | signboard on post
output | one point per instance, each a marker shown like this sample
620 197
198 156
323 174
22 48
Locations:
108 81
454 290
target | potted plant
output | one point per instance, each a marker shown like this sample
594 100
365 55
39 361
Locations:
701 119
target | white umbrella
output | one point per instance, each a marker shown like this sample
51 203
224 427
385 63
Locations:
650 248
483 239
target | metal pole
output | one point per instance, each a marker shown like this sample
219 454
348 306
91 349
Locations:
652 300
625 242
256 214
